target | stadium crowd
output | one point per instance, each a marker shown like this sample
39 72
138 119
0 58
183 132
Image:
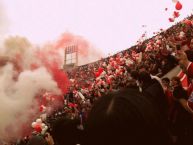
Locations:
127 99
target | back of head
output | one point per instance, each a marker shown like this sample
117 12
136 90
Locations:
152 87
166 80
124 117
37 140
65 131
144 78
189 54
134 75
176 81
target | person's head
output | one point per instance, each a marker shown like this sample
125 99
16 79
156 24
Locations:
144 78
175 81
65 131
182 58
166 81
37 140
134 74
122 118
189 54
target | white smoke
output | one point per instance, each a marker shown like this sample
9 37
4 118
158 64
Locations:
21 81
92 56
17 97
21 49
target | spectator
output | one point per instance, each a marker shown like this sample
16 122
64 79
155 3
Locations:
155 93
66 132
125 117
127 69
37 140
168 92
182 121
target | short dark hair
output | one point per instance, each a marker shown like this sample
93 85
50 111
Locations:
167 80
124 117
134 74
144 77
65 131
177 79
189 54
37 140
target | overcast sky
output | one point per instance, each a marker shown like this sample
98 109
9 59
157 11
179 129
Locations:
111 25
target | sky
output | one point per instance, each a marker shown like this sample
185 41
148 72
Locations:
110 25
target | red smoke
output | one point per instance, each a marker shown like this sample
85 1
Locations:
68 39
52 60
84 47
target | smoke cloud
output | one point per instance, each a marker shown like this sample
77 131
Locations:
27 70
18 97
86 51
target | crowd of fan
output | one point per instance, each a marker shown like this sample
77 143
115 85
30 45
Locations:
127 69
157 56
